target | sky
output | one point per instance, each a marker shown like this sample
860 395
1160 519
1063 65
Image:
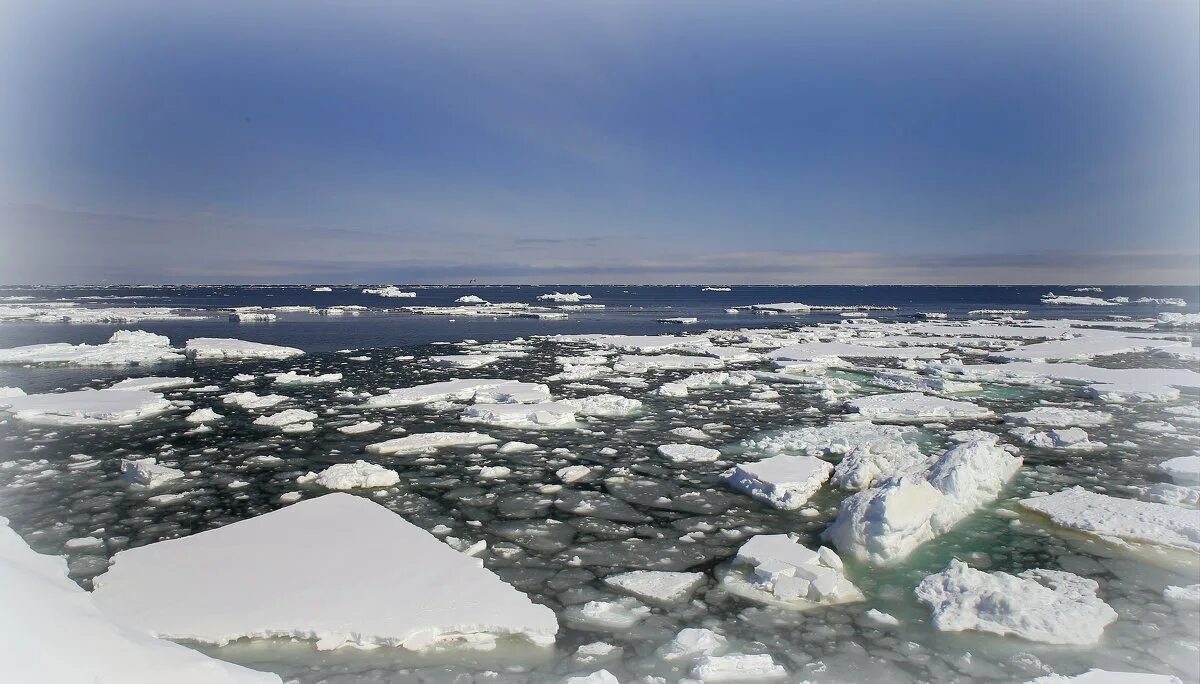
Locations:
600 142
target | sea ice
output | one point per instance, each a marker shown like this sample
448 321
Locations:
1125 523
1054 416
430 441
464 360
914 406
150 383
338 568
737 668
360 427
294 378
777 570
487 390
657 587
285 417
359 474
1047 606
553 414
147 472
688 453
125 347
1184 470
221 349
783 481
86 407
389 291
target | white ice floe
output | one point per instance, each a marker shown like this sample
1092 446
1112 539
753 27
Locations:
338 569
430 441
915 406
680 320
1187 596
870 452
322 289
691 643
657 587
1184 470
606 616
604 405
470 299
357 475
53 632
1071 439
204 415
777 570
688 453
294 378
552 414
1057 417
223 349
124 348
597 677
885 523
1115 385
1134 526
361 427
737 668
486 390
1098 676
573 473
690 433
86 407
147 472
250 400
1074 300
1086 347
389 291
464 360
784 481
564 297
832 352
905 381
150 383
1046 606
253 317
285 417
642 363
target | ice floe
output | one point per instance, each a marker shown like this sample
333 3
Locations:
430 441
657 587
389 291
915 406
222 349
124 348
86 407
357 475
784 481
338 569
775 569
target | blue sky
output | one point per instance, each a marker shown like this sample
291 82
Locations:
655 142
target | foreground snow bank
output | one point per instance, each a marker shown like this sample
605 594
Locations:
338 568
53 632
1047 606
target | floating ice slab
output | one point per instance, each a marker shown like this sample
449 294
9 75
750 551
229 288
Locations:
553 414
691 643
1135 526
1115 385
250 400
1184 470
737 668
151 383
914 406
816 351
1047 606
488 390
777 570
1054 416
784 481
430 441
361 427
604 405
147 472
657 587
124 348
1071 439
885 523
607 616
286 417
53 632
389 291
294 378
86 407
641 363
337 568
464 360
222 349
357 475
204 415
564 297
1097 343
688 453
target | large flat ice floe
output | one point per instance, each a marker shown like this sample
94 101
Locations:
124 348
86 407
915 406
551 414
429 442
1115 385
53 632
222 349
1138 527
338 569
885 523
1047 606
484 390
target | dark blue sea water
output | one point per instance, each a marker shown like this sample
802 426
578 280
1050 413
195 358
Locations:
628 310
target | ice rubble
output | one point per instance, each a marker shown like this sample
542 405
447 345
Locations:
53 632
430 441
486 390
338 569
657 587
870 452
1136 526
124 348
885 523
915 406
783 481
1047 606
597 677
86 407
223 349
357 475
691 643
775 569
389 291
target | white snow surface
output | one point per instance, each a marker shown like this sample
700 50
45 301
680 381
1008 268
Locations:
657 587
552 414
338 568
486 390
1054 416
1046 606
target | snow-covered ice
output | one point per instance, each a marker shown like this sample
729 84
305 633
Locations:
915 406
86 407
222 349
784 481
357 475
430 441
